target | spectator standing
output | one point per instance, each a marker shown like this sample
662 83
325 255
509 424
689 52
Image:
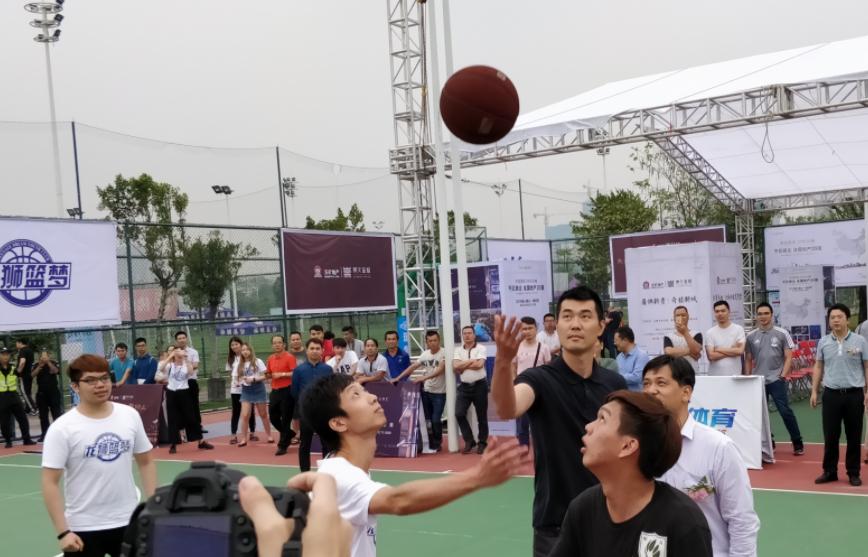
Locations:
531 353
296 347
25 364
144 366
354 344
235 392
280 366
549 335
10 401
121 364
373 366
724 343
612 321
397 359
344 361
45 370
182 342
682 342
304 376
254 398
631 359
469 363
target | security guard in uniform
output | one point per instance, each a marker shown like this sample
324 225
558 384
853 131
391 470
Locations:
10 402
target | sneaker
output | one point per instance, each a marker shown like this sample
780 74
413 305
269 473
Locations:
468 447
205 445
798 450
430 451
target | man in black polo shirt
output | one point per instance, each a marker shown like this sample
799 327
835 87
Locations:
25 364
560 398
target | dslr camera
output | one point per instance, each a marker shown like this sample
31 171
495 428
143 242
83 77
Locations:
201 514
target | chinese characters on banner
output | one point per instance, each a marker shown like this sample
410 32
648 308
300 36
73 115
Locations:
802 308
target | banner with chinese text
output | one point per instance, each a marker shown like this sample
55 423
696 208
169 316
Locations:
57 274
147 400
802 308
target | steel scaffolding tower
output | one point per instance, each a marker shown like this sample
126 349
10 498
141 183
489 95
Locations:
412 162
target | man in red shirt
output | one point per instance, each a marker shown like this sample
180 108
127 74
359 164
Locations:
281 404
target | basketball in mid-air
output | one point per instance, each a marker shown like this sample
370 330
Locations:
479 104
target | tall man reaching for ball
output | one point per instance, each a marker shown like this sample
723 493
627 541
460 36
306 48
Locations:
561 398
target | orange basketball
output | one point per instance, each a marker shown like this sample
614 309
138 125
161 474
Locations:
479 104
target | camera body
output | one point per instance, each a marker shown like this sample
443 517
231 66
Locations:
201 514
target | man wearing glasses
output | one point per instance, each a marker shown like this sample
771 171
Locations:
93 446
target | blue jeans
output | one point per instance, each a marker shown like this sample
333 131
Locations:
778 392
433 404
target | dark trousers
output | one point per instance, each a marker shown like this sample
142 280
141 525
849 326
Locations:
280 409
778 392
47 400
847 405
100 543
544 541
27 381
433 404
522 429
477 395
194 399
180 414
305 440
11 407
236 415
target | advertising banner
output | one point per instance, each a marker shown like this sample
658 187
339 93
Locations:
802 308
338 271
147 400
523 250
726 281
619 244
734 406
840 243
57 274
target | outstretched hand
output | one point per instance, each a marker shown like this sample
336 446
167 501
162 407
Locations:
501 461
507 336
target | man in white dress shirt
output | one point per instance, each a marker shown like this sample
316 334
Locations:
710 470
549 335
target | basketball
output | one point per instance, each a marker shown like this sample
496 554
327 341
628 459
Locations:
479 104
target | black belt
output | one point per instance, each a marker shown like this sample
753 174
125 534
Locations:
845 391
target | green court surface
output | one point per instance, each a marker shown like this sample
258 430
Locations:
491 522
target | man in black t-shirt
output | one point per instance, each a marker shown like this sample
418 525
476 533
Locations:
45 370
633 440
560 398
25 364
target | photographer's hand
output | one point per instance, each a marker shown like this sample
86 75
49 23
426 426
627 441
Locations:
323 520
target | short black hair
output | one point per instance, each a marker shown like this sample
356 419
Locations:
654 427
372 339
321 402
390 332
432 333
121 345
348 329
468 327
839 307
626 333
294 333
720 303
339 343
179 333
313 341
582 294
528 320
140 339
680 307
24 341
552 315
316 328
765 305
682 371
328 335
281 337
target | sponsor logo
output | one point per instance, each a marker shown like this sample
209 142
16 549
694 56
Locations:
108 447
28 274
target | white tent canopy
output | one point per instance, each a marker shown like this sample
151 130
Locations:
816 153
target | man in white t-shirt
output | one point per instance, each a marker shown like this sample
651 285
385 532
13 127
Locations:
92 446
374 366
182 341
532 352
724 343
430 368
347 419
472 389
549 335
345 360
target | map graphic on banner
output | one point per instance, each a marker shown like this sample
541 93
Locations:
659 278
840 243
802 307
338 271
618 244
58 274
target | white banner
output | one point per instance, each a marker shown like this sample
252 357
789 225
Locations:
57 274
802 308
840 243
660 278
734 406
523 250
525 288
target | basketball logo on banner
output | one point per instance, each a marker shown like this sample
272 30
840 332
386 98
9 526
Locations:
28 275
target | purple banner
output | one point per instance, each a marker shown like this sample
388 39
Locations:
147 400
338 271
618 244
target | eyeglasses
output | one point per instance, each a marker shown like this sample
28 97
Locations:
91 381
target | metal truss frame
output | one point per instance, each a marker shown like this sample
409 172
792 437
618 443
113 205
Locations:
412 163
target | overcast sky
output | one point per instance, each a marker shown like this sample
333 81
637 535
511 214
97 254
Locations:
313 77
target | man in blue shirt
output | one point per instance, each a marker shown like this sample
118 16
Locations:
121 366
631 359
303 377
397 358
144 366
